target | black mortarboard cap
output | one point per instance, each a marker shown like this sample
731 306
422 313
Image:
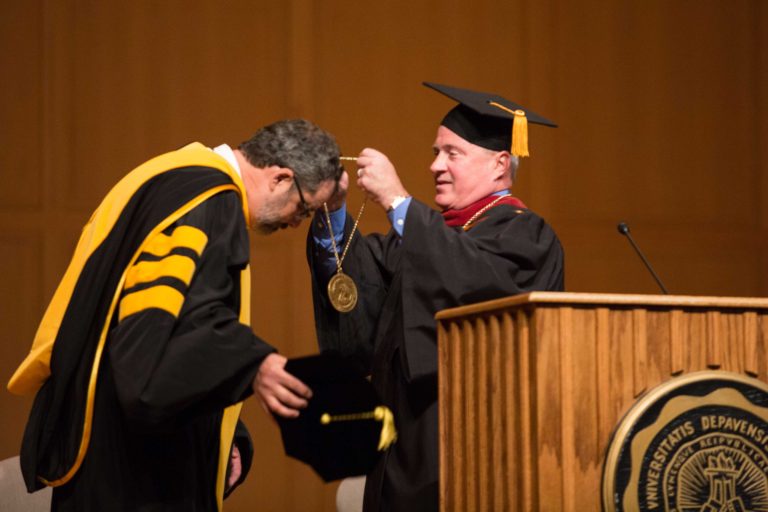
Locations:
344 429
488 120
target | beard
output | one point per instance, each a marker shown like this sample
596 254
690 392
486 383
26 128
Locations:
266 229
268 219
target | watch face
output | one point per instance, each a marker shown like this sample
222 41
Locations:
697 442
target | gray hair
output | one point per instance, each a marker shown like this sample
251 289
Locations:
299 145
514 163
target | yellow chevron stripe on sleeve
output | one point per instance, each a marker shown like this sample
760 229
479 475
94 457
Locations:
176 265
183 236
161 297
24 371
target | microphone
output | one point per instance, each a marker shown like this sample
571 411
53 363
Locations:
624 230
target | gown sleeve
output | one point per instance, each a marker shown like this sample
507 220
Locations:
178 348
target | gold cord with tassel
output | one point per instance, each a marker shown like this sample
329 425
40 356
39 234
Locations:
519 130
380 413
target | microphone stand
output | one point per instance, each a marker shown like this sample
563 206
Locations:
624 230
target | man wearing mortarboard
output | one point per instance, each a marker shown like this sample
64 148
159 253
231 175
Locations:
483 244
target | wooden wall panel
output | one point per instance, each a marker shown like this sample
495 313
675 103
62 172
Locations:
690 260
654 80
640 88
661 106
21 261
21 106
131 80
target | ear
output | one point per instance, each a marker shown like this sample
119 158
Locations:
501 164
279 177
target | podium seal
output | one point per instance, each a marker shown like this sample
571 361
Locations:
695 443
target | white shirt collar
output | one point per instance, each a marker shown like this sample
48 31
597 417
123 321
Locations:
227 154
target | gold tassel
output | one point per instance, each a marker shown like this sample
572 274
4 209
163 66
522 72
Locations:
520 134
388 431
380 413
519 130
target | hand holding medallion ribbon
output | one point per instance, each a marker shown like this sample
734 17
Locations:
377 177
342 290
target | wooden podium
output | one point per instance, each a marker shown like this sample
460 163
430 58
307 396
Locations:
532 386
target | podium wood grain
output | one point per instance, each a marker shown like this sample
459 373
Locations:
532 386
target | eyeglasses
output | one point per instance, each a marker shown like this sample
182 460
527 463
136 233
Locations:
304 210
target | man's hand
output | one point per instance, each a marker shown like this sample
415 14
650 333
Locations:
235 467
338 198
378 178
279 391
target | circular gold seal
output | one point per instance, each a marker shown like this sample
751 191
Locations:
695 443
342 292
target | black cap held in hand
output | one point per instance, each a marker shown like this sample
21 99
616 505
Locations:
345 428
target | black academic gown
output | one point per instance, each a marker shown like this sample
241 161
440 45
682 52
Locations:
403 282
162 388
176 355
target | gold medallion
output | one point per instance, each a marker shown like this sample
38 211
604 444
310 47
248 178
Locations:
342 292
341 288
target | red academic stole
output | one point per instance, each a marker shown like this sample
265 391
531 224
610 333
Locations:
460 217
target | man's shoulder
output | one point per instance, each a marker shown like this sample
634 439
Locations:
506 212
514 220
